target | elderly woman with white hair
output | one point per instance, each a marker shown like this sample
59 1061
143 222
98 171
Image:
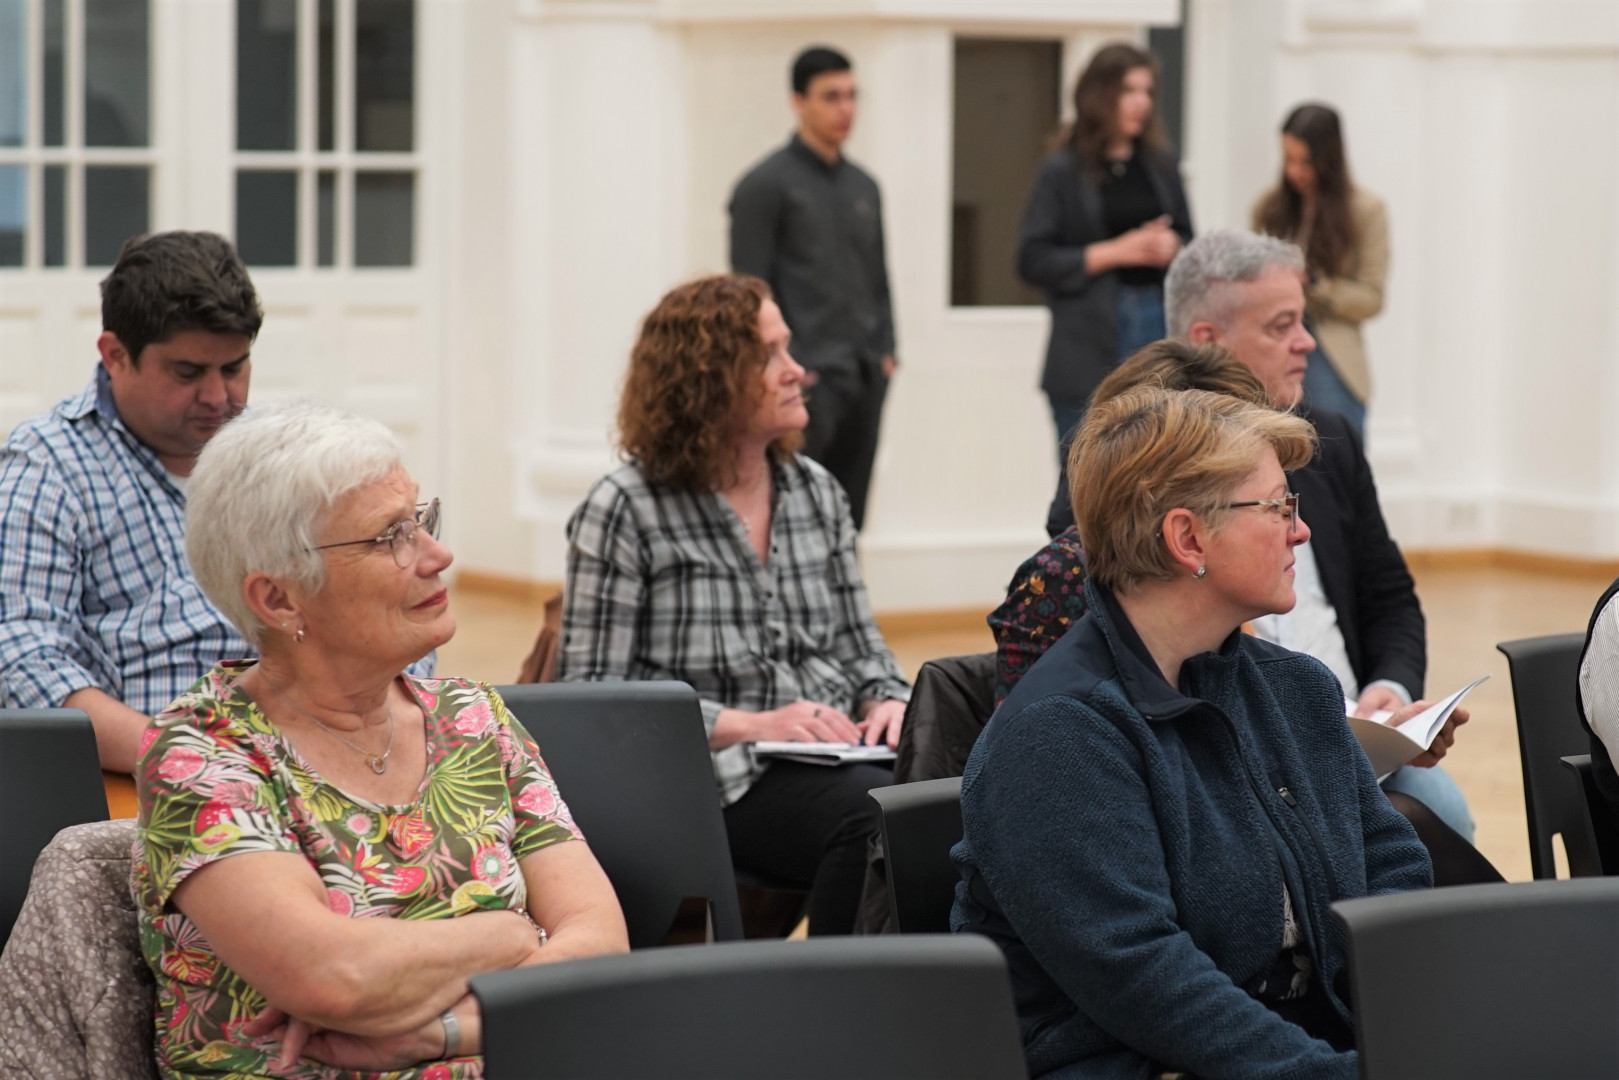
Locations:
328 846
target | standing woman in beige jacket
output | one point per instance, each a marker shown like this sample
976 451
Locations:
1344 232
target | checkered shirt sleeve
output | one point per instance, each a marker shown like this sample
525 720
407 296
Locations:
664 584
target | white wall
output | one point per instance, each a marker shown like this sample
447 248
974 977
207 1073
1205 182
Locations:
967 462
577 160
1492 129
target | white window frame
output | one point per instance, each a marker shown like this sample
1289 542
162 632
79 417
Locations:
342 159
34 156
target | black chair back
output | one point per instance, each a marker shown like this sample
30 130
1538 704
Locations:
951 701
631 760
1486 982
50 778
937 1007
1603 836
1544 673
921 823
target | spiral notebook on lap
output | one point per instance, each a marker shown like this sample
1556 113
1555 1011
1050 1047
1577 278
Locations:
823 753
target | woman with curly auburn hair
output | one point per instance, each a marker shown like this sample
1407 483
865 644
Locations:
719 556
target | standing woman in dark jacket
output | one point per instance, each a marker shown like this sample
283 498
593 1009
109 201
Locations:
1159 817
1104 221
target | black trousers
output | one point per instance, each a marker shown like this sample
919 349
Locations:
845 413
807 825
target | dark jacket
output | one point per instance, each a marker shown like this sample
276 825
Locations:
1362 571
1063 216
814 231
1126 844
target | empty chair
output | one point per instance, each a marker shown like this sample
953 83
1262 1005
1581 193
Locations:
50 778
1604 836
1486 981
934 1006
921 823
631 760
1544 673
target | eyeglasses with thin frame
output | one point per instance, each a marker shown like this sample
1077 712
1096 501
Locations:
1288 505
401 535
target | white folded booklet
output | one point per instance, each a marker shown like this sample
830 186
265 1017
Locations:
823 753
1390 747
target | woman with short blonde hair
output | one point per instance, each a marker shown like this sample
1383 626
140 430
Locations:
1160 815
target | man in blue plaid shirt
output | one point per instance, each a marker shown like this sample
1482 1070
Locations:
98 607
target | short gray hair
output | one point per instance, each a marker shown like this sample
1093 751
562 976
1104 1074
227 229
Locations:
261 490
1197 287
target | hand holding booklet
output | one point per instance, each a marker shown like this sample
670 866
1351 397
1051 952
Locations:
823 753
1390 747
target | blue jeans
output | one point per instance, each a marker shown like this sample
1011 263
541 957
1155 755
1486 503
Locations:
1325 389
1438 791
1140 311
1141 318
1141 322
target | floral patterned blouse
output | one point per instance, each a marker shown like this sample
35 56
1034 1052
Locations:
217 779
1045 598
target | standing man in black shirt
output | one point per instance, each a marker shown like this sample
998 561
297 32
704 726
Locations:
809 222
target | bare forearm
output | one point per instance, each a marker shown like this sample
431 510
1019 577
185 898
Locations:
733 726
118 727
397 974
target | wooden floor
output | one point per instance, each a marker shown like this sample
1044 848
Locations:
1469 610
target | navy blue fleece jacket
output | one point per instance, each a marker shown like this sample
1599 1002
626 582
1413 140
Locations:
1126 844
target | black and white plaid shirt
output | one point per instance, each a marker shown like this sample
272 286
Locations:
663 584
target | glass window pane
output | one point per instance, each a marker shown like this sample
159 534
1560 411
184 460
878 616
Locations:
267 217
326 218
117 65
384 218
267 74
117 205
13 72
1006 98
13 213
55 215
384 74
326 75
55 73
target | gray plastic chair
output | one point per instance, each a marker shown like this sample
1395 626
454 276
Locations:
50 778
933 1007
921 823
1544 673
1604 835
631 760
1487 982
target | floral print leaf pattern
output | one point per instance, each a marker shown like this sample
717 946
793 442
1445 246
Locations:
216 779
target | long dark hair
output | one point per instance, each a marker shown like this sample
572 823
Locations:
1096 104
1333 235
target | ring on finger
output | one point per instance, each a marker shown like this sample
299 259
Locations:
817 714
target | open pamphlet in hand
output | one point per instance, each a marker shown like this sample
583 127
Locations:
1390 747
823 753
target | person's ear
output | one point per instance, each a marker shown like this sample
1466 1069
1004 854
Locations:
798 102
271 602
114 357
1184 534
1203 333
